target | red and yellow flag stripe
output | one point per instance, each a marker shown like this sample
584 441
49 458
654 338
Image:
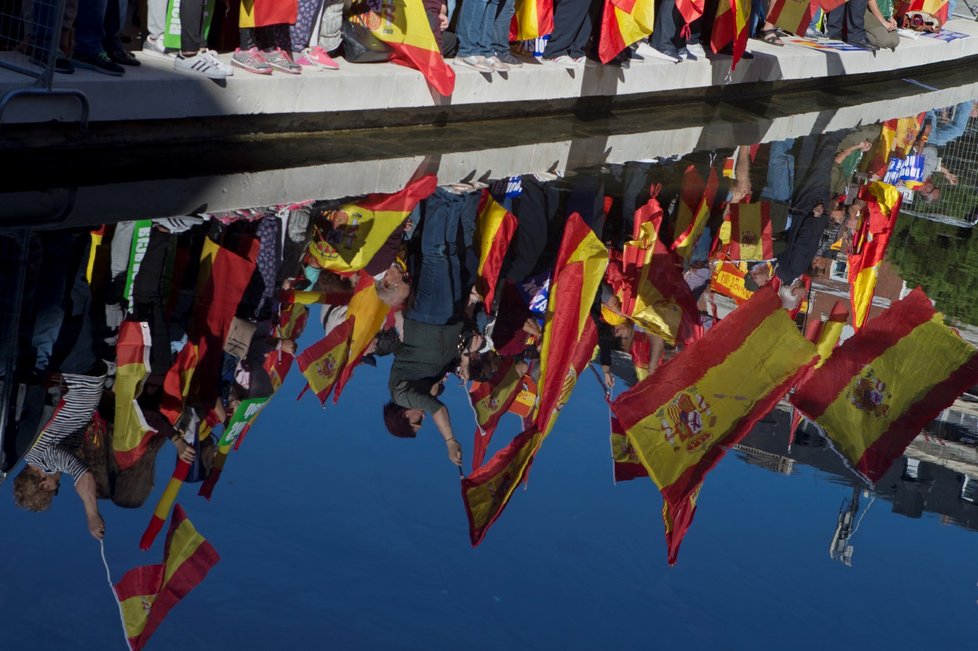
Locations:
322 363
495 228
131 433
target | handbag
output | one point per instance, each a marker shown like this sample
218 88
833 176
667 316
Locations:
359 43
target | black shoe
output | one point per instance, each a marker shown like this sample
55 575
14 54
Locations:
61 64
99 63
123 58
866 45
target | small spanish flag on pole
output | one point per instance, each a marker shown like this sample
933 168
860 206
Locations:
730 28
322 362
495 227
869 246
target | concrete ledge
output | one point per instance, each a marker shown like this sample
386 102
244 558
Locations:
387 94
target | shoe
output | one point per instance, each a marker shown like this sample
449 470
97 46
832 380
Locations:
649 52
565 60
251 60
497 65
154 45
321 56
215 59
476 61
509 59
61 63
200 64
866 45
99 63
282 62
696 50
124 58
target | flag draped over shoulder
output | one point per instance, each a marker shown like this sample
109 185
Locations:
624 22
532 19
322 362
403 25
695 200
793 16
370 313
131 433
490 400
708 397
147 593
884 384
359 229
730 28
751 236
495 227
869 246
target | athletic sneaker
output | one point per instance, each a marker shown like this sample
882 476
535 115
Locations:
648 52
696 50
510 60
321 57
99 63
154 45
476 61
565 60
685 54
200 64
214 57
496 64
282 62
251 60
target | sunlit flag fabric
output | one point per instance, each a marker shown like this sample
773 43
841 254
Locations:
690 10
937 8
495 227
131 433
896 140
403 25
825 335
793 16
730 28
681 419
695 201
360 228
490 400
322 362
750 231
624 460
624 22
829 5
263 13
869 246
370 313
885 383
532 19
147 593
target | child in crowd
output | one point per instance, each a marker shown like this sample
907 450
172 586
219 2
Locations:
265 43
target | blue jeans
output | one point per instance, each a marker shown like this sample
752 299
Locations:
500 33
780 172
941 135
476 26
441 275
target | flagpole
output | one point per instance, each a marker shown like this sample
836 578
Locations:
108 576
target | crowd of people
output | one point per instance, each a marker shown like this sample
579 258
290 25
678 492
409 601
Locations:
296 36
139 333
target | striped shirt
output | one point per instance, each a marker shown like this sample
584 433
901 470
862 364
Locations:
56 448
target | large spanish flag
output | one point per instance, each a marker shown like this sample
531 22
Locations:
490 400
403 25
884 384
147 593
322 362
370 313
495 227
624 22
131 433
624 460
532 19
750 231
730 28
830 331
695 202
581 262
708 397
360 228
793 16
869 245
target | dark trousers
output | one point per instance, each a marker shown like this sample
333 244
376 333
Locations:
853 14
572 28
192 25
667 34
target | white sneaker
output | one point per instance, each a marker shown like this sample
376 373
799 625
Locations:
696 50
200 64
226 67
476 61
154 45
496 64
566 61
652 53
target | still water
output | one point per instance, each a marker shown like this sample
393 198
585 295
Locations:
475 266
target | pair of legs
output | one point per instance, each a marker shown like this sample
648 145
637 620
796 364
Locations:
483 27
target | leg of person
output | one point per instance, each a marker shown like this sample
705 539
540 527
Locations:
941 135
328 37
834 20
566 21
585 24
276 47
780 172
877 34
500 33
89 33
474 18
116 12
155 26
248 56
301 31
855 23
664 33
192 57
434 284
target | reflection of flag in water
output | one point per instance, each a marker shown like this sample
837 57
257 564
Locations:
624 460
370 313
895 141
131 433
793 16
730 27
360 228
708 397
624 22
825 335
695 201
147 593
322 362
490 400
532 19
176 384
494 231
166 501
403 25
750 231
884 384
869 246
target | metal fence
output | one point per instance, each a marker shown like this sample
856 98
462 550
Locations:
31 33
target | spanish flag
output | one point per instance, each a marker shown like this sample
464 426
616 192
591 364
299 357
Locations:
750 231
730 27
695 202
792 16
884 384
869 245
581 262
370 313
147 593
532 19
690 10
708 397
624 22
359 229
830 331
937 8
322 362
490 400
495 227
163 506
896 140
176 384
403 25
131 433
624 460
